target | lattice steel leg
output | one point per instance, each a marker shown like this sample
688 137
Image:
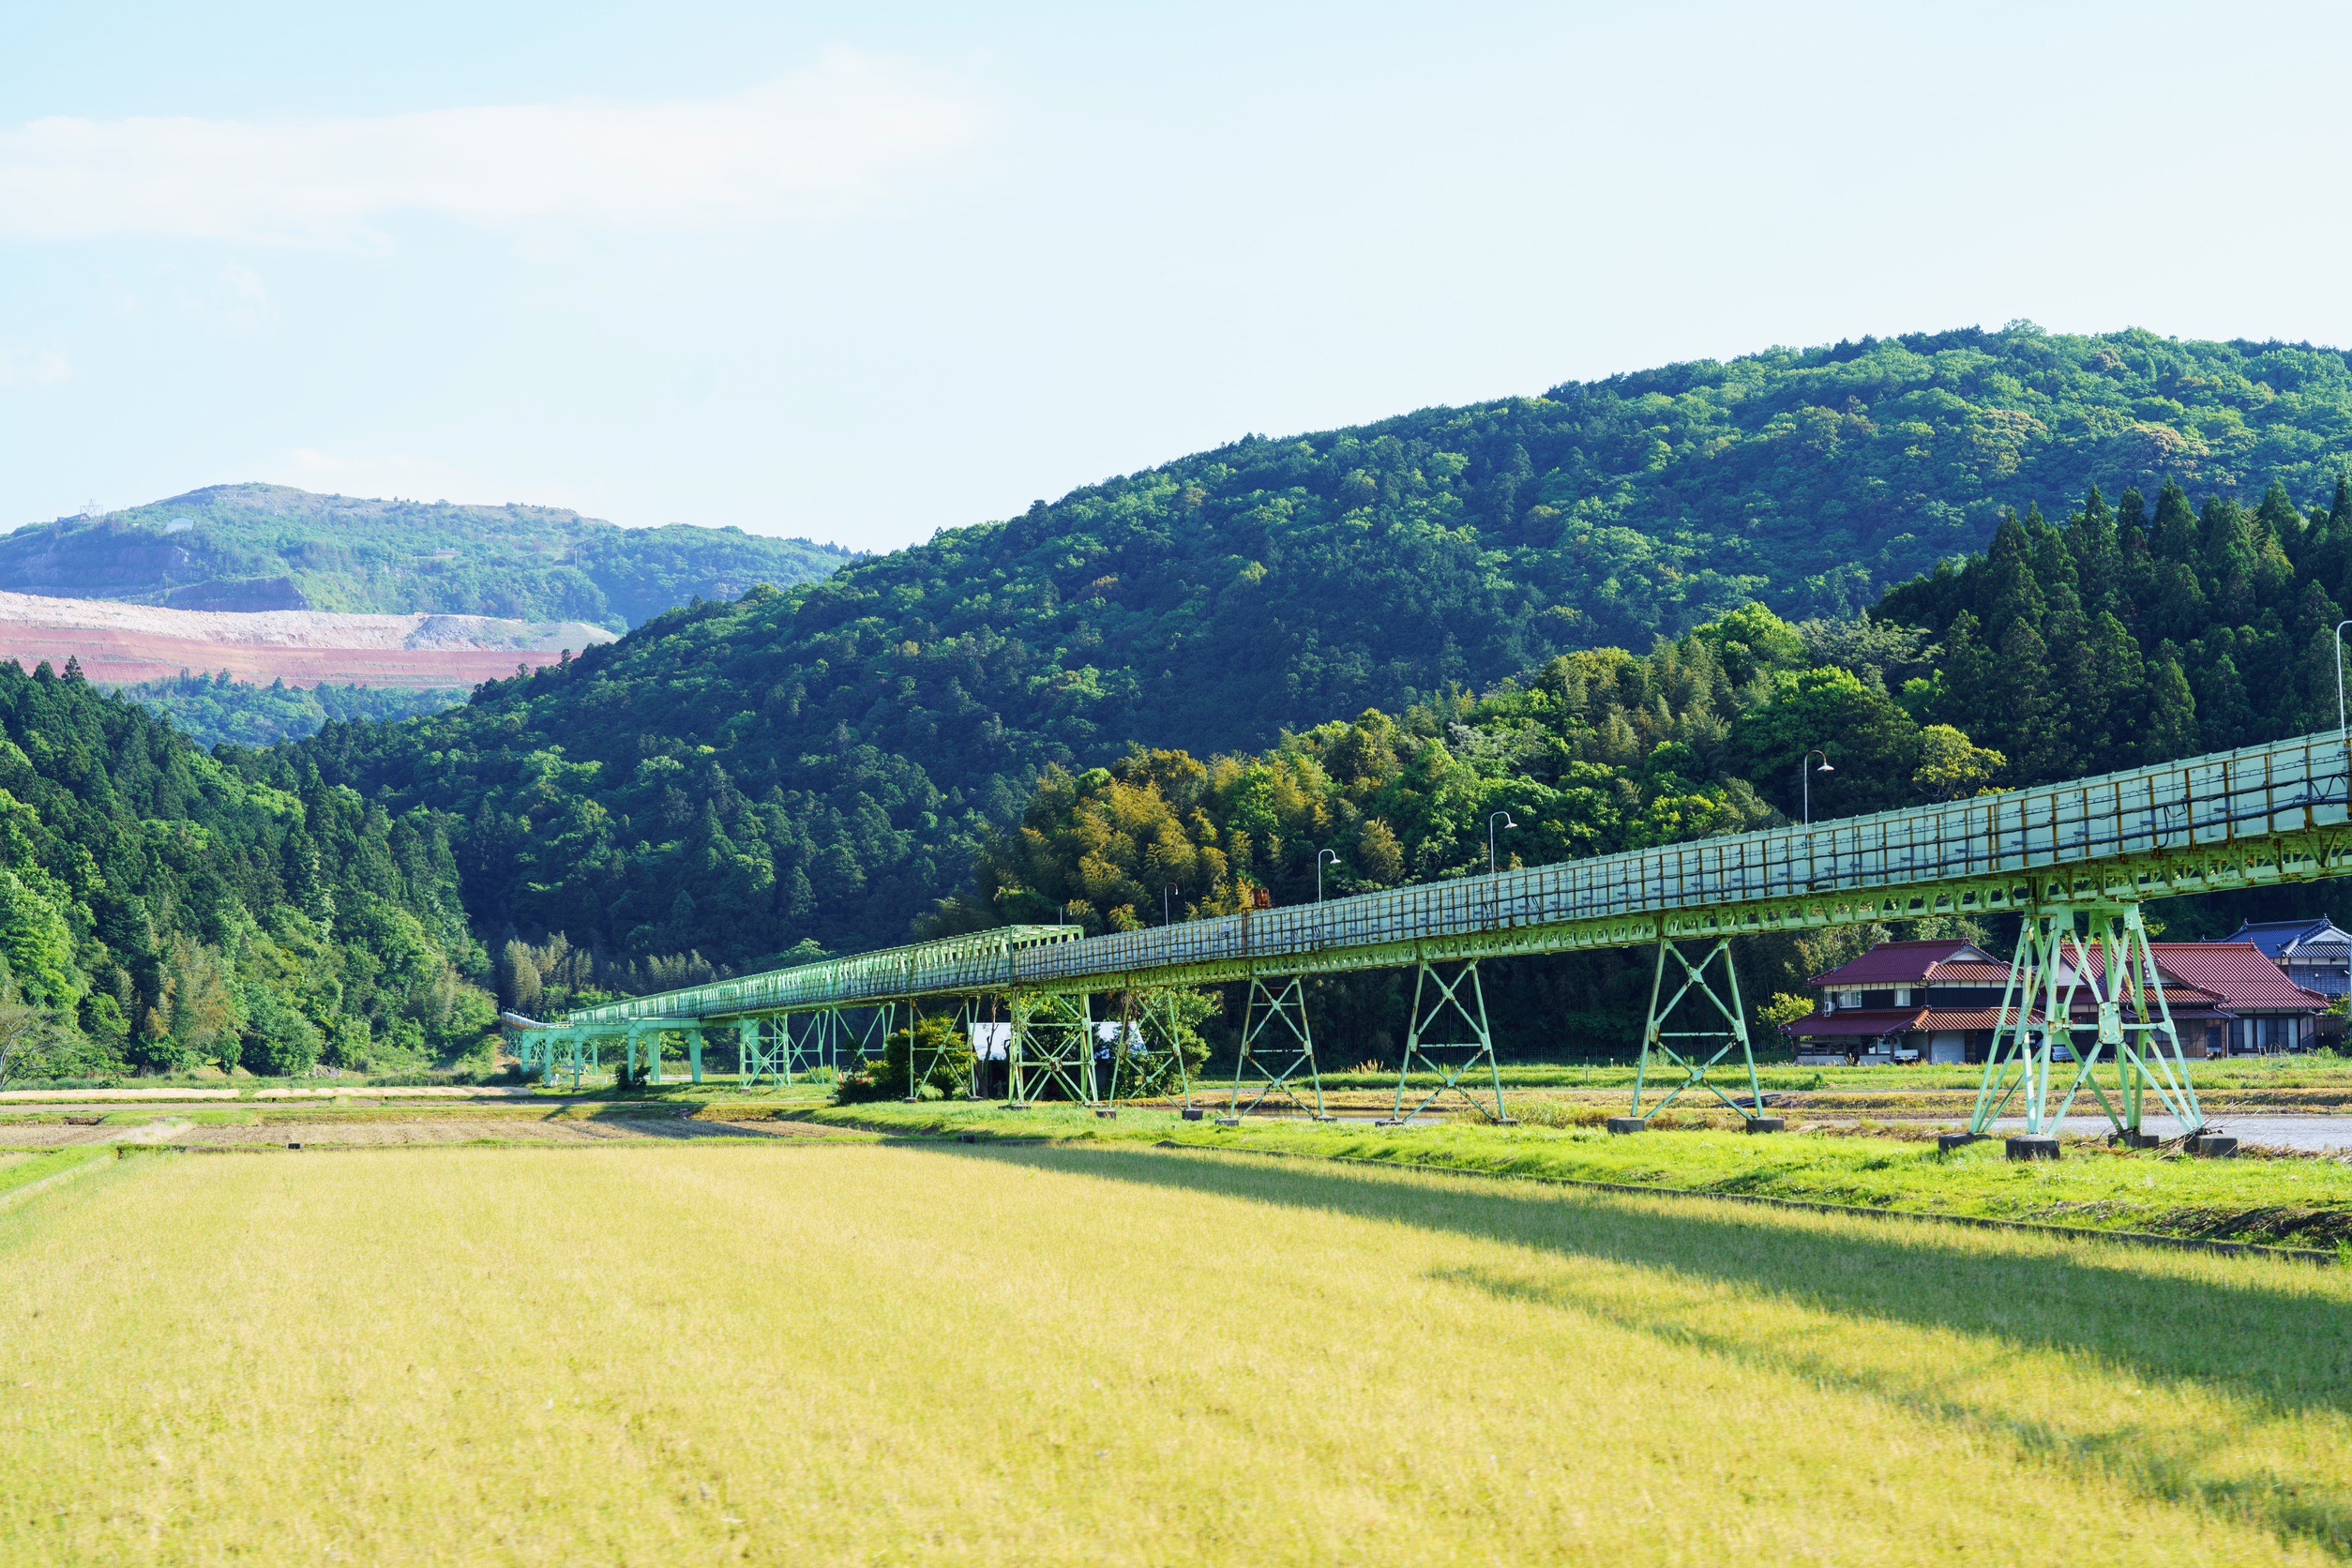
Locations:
2133 1025
1279 1059
804 1049
1053 1046
1171 1036
2036 1015
1444 996
1143 1071
1720 1023
747 1052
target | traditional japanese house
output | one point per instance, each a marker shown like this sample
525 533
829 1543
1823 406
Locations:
1940 1002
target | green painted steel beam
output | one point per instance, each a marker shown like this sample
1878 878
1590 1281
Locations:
2257 817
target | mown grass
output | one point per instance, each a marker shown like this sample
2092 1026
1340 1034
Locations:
2303 1202
1120 1354
21 1171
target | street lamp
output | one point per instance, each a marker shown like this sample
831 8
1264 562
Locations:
2340 725
1490 837
1166 918
1806 777
1320 855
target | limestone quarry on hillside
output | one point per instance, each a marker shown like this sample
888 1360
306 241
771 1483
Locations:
128 642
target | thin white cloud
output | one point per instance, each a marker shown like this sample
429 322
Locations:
806 146
34 368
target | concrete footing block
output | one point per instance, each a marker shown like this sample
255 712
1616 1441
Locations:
1951 1141
2138 1140
2212 1146
2033 1148
1228 1120
1192 1113
1106 1115
1766 1124
1626 1123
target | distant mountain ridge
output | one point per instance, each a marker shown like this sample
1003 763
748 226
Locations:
817 764
255 547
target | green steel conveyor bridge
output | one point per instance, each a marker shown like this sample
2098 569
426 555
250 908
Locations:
2075 861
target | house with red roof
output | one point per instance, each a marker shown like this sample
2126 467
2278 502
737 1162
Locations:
1941 1000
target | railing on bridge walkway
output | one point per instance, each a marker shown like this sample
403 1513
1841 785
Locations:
2051 854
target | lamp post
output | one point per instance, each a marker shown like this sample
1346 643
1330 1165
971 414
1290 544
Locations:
1806 776
2340 725
1490 837
1321 856
1166 918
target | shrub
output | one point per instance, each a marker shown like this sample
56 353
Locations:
940 1051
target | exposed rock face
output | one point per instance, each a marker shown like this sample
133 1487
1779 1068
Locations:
125 643
261 593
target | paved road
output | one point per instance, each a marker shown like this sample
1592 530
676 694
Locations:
2318 1134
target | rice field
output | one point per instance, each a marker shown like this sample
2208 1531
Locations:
715 1350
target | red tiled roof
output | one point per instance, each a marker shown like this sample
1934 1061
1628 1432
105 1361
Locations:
2236 974
2183 1002
1963 972
1937 1020
1905 963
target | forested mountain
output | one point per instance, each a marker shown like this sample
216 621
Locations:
817 764
160 908
269 547
215 710
1594 753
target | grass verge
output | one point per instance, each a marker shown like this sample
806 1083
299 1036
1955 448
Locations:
2300 1202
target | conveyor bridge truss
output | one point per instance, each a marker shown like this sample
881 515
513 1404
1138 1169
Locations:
2074 862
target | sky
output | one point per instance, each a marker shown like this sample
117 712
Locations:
861 273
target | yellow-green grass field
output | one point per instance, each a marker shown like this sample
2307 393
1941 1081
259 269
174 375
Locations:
708 1351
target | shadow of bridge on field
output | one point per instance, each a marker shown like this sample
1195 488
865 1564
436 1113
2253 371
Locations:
2275 1344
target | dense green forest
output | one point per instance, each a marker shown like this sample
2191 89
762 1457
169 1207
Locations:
1593 753
2119 637
818 763
161 909
213 710
269 547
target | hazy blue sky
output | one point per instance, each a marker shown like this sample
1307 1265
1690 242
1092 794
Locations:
863 272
